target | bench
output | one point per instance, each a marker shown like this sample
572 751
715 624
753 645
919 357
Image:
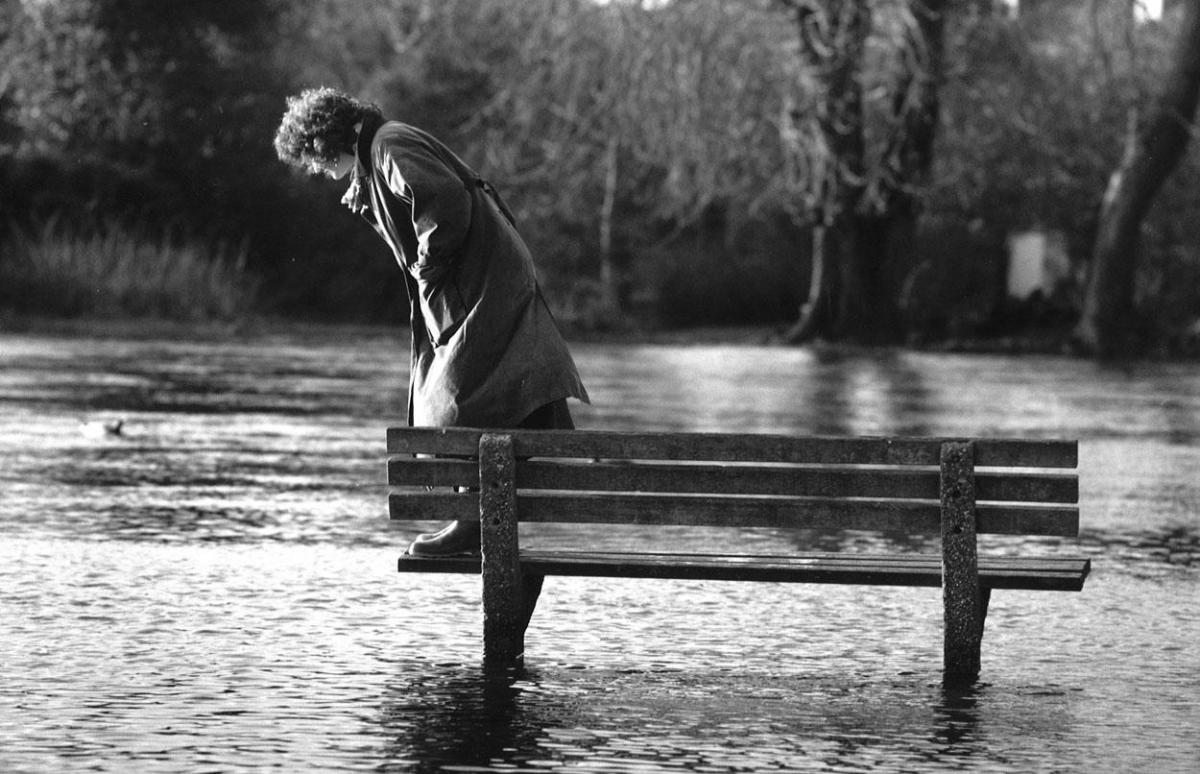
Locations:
952 488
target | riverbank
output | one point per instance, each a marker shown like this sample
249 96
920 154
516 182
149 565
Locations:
258 327
1040 342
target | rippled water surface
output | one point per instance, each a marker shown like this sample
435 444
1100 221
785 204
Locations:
211 586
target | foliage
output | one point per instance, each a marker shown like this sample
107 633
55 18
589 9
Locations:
138 110
1036 112
865 68
634 123
658 142
609 128
1033 126
1154 147
120 272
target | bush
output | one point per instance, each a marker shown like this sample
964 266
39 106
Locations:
751 273
122 272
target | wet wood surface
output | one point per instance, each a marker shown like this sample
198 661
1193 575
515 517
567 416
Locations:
731 447
882 515
1039 574
712 478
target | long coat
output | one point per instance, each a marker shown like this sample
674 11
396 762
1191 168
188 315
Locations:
486 351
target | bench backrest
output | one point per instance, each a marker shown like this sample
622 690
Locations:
1026 487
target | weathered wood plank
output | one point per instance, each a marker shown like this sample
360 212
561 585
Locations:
823 481
590 444
423 472
914 516
1040 563
922 570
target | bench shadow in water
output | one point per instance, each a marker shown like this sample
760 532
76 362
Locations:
467 715
463 716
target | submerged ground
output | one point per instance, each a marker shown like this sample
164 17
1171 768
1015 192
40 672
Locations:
212 586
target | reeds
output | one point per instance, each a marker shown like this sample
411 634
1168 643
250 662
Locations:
117 272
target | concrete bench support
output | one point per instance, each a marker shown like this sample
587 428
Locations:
508 595
965 604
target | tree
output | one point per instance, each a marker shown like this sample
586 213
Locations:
624 120
861 138
1153 150
142 106
612 129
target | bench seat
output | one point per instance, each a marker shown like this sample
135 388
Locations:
1000 572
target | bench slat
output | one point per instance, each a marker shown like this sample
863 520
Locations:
742 511
726 479
730 447
1050 573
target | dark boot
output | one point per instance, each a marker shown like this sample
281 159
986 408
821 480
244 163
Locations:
459 538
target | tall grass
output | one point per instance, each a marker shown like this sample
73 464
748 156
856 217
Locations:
117 271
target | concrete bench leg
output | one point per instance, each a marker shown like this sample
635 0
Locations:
508 596
965 604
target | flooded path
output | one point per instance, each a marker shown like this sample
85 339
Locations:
210 585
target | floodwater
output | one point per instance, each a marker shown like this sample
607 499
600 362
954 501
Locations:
213 587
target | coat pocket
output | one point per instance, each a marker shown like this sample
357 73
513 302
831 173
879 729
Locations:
442 307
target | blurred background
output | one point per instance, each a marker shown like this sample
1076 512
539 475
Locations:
882 171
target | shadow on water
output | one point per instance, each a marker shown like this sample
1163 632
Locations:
455 717
957 730
948 728
467 716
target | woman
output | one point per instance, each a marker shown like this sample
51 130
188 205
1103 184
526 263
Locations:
486 351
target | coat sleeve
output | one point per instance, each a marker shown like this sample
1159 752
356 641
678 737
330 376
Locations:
441 205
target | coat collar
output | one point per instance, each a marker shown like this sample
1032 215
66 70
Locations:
366 135
357 196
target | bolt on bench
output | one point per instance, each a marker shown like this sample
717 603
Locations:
953 488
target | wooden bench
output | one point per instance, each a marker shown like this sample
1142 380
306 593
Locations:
952 488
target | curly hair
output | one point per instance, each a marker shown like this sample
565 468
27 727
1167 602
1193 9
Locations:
319 126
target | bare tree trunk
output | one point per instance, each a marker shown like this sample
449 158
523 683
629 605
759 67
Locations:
889 236
1106 325
609 277
868 306
847 298
815 309
857 298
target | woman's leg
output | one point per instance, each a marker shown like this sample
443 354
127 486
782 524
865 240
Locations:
462 537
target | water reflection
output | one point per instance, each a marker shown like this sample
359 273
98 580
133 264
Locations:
467 716
262 375
825 390
455 717
865 392
956 725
